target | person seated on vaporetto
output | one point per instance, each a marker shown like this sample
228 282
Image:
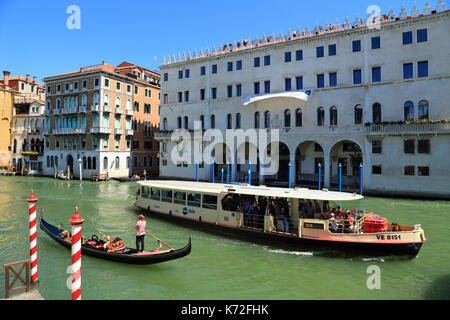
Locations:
333 224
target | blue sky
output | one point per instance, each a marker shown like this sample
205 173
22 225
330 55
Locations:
35 39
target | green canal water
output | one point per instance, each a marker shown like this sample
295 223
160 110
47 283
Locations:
218 267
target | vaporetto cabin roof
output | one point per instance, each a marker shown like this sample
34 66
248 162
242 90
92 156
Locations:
218 188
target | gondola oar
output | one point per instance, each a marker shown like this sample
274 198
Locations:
160 240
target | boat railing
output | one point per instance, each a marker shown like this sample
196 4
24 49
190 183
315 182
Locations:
270 223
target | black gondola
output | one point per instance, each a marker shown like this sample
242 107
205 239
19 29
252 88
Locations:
128 255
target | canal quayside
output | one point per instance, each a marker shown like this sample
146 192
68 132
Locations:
292 216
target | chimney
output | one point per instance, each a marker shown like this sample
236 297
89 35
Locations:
6 78
103 62
34 80
28 78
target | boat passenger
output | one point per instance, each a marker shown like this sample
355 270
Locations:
301 211
309 210
333 223
284 217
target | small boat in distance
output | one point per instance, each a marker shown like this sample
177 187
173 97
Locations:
294 216
126 255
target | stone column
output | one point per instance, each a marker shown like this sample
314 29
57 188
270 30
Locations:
327 172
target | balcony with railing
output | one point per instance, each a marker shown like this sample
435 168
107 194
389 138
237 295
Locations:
82 109
95 108
129 112
129 132
118 131
119 110
56 111
408 128
104 130
69 131
69 110
107 108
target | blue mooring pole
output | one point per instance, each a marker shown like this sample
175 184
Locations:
340 177
250 174
196 171
320 175
222 175
360 179
228 173
290 168
213 172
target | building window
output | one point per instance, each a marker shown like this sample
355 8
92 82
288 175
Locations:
332 50
376 74
287 56
287 118
186 96
214 93
423 171
239 65
229 91
409 170
186 123
299 83
333 116
423 110
408 146
319 52
238 90
179 123
376 113
422 35
230 66
229 121
267 60
299 55
320 116
376 170
287 84
424 146
320 81
376 43
166 76
256 87
180 74
356 46
358 114
187 73
377 146
118 86
105 163
106 83
357 76
267 119
298 117
422 69
408 71
333 79
408 111
202 70
256 62
166 98
202 94
214 68
407 37
266 86
213 121
257 120
238 121
180 97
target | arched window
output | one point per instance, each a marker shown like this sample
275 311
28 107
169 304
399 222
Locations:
202 120
424 110
94 163
15 146
48 161
213 121
135 162
376 113
229 121
408 111
257 119
267 119
128 104
106 99
84 163
358 112
89 166
287 118
105 163
298 117
117 163
96 98
186 123
136 106
84 100
56 161
238 121
320 116
333 116
52 161
165 124
128 162
117 102
179 123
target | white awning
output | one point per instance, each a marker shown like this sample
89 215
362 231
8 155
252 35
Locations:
300 95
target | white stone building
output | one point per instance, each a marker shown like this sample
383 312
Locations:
348 94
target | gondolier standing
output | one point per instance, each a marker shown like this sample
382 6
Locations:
140 233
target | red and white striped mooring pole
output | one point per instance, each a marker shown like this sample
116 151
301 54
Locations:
76 221
33 244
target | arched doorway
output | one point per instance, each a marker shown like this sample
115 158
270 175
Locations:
349 155
283 157
221 155
70 163
308 156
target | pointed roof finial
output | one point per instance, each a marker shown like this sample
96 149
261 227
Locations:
440 6
427 9
414 11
